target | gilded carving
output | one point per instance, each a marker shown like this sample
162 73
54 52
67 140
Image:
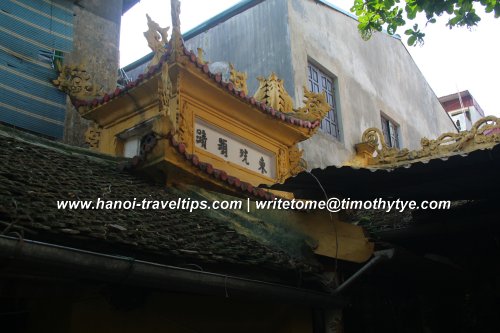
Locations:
185 130
93 136
77 83
385 154
316 107
272 91
174 111
487 130
283 163
157 39
201 59
484 132
297 164
164 89
239 79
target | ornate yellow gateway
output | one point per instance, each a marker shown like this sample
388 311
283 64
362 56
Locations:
181 112
190 122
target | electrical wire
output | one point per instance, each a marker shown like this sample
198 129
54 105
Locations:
331 219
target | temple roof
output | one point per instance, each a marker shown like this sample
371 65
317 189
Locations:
216 77
455 166
35 173
459 176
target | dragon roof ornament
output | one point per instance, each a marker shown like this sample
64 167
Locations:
484 133
157 38
272 91
76 81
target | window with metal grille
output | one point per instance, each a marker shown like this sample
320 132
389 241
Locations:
318 82
391 132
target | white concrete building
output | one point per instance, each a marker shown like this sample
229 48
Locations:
463 109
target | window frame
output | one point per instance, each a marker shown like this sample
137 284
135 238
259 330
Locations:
325 81
391 131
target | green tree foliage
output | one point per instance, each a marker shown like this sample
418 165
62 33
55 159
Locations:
374 15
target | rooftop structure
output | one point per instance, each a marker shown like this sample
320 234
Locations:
463 109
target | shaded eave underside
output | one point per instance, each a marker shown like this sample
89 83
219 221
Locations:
458 177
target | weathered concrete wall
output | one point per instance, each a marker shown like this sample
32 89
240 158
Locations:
373 77
256 41
95 44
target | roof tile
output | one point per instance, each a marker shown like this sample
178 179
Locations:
33 177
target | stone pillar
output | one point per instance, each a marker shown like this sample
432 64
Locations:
96 41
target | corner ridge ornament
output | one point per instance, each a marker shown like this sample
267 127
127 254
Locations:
485 133
157 39
75 81
315 106
373 141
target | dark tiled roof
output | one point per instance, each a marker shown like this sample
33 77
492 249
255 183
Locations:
457 176
34 176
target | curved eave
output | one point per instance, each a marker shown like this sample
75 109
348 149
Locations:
110 101
463 176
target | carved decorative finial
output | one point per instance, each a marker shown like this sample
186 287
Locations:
372 141
77 83
239 79
315 106
272 91
200 56
157 39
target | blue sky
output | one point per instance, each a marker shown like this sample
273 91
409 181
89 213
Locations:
451 60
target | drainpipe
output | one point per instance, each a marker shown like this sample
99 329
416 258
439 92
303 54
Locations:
378 257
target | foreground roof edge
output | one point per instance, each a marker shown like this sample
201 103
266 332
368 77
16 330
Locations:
34 178
108 267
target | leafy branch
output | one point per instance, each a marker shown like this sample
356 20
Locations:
374 15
